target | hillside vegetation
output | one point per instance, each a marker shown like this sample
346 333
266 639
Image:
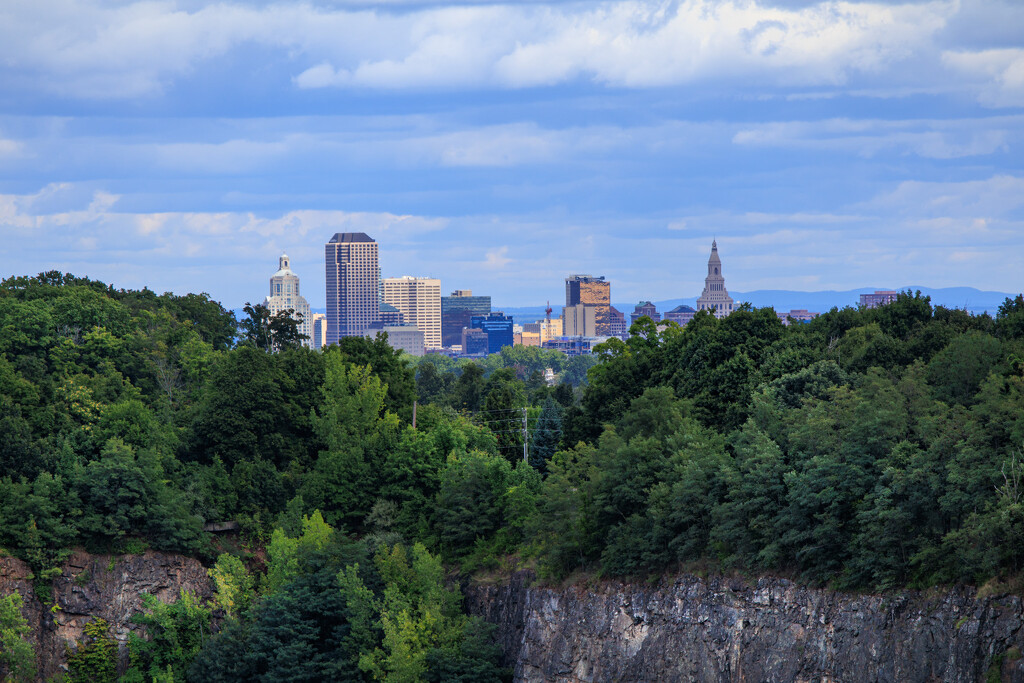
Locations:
867 449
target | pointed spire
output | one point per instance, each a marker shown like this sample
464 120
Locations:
714 253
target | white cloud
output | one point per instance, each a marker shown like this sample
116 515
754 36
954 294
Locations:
998 73
931 139
497 258
90 49
999 196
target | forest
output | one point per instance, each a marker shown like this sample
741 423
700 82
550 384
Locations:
869 449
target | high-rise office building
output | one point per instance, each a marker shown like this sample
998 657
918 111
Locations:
353 285
284 295
419 300
715 297
498 327
457 311
593 292
319 330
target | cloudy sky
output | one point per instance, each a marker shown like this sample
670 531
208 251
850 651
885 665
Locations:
827 145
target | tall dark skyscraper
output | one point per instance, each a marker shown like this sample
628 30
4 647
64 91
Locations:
353 285
457 312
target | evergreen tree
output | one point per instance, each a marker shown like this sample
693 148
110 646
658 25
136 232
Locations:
546 435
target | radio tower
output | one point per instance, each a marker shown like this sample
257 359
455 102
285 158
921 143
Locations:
547 313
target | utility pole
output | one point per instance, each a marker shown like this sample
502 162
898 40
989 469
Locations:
414 414
526 435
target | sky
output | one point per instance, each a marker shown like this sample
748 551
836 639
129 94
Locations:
183 146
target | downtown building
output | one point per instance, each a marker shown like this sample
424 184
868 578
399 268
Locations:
457 313
881 297
587 311
715 297
498 328
353 285
319 330
418 299
644 308
284 296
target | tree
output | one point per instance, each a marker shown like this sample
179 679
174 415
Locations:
957 371
175 633
1010 318
563 531
425 635
502 413
390 365
94 660
256 406
271 332
17 658
355 430
233 586
546 435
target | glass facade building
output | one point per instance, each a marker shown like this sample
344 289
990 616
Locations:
353 285
457 313
595 292
498 327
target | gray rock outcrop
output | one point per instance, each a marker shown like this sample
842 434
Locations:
690 629
105 586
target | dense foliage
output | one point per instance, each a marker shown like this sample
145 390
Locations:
868 448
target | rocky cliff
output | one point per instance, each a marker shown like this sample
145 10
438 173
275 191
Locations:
685 629
690 629
103 586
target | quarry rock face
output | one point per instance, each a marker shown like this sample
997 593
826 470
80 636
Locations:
692 629
105 586
683 629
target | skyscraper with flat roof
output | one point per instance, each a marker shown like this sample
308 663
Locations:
457 312
498 327
353 285
319 330
419 300
881 297
284 296
593 292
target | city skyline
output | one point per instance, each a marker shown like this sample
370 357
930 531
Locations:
832 145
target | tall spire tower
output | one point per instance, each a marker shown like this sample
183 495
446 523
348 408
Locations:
715 297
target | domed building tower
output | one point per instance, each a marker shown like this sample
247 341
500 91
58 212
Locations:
715 297
284 294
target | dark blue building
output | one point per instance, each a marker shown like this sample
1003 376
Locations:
498 327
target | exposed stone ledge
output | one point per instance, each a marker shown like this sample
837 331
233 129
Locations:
690 629
106 586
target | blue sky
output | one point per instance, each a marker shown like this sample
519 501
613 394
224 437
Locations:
827 145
